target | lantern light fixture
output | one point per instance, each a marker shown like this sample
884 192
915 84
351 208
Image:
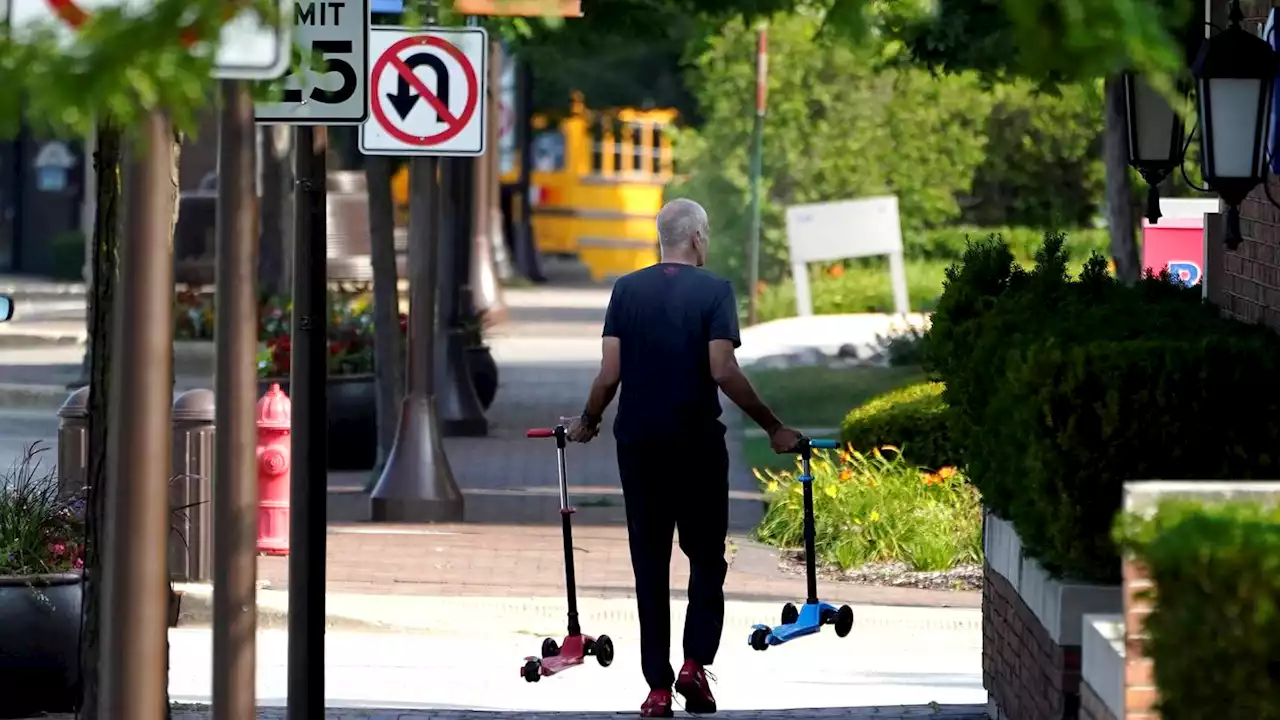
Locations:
1156 137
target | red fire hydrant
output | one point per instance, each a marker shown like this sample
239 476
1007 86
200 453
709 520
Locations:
273 472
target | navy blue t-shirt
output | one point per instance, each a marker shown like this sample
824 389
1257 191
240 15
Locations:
664 316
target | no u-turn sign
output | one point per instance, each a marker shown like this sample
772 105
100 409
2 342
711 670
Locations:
427 92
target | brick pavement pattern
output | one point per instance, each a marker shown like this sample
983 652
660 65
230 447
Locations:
520 561
943 712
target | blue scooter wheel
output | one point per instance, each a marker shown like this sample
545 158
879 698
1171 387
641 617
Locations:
760 639
844 621
789 614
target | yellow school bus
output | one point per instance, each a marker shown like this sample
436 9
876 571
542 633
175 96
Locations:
596 184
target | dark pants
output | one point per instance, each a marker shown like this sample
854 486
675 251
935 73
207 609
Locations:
685 485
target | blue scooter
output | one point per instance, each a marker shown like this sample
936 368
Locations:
810 617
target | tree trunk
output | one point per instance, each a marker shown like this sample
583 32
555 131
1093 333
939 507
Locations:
106 274
175 190
1122 216
388 341
107 231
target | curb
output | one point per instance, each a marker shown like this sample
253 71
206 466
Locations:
35 340
419 614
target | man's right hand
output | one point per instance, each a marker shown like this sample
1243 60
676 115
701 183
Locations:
784 440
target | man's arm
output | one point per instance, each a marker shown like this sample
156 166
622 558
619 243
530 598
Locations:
729 376
724 336
605 386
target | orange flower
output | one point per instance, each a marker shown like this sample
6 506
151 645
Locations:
845 456
930 478
761 286
846 475
835 271
946 473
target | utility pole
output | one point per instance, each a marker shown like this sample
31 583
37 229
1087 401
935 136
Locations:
235 489
757 168
135 587
308 382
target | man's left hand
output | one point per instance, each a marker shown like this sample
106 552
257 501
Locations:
580 431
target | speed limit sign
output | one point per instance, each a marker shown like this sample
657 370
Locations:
332 90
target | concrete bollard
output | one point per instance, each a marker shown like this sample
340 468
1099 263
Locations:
73 443
191 488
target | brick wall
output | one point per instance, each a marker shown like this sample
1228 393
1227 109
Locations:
1245 283
1092 707
1026 673
1139 686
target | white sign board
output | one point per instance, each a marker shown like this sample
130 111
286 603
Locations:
332 91
248 49
507 115
426 91
822 232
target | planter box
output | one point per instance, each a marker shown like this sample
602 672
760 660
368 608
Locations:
1102 668
1032 628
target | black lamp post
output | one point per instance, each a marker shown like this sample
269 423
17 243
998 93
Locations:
1234 74
1156 137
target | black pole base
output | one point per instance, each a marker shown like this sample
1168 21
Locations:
457 404
417 484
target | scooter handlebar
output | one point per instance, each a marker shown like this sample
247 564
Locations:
540 433
824 444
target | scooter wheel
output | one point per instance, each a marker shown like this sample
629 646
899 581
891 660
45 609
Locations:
603 650
844 621
550 648
532 671
760 639
789 614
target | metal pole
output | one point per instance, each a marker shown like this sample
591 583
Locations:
457 405
526 251
757 162
235 487
308 383
135 587
417 483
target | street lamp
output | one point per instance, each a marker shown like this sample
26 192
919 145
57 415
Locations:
1234 73
1155 137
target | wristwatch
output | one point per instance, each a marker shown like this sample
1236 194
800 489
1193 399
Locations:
590 420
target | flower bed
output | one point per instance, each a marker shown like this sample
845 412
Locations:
875 509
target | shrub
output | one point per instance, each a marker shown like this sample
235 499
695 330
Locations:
1059 390
1214 628
949 243
911 418
877 507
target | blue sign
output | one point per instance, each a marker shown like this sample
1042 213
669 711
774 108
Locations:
387 7
1273 39
1185 272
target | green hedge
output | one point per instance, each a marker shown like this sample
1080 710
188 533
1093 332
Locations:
910 418
949 243
1214 629
1059 390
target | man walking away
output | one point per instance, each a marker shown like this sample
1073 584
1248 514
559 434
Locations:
669 339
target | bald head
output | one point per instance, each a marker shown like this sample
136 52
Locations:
681 224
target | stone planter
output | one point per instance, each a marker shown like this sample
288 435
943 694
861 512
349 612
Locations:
39 644
484 373
1032 629
352 419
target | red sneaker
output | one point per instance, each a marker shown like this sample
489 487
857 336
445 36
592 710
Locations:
692 683
657 705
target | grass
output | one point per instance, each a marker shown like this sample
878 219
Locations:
817 397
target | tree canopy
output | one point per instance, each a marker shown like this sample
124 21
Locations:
127 61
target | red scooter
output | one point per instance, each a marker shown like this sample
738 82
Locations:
576 647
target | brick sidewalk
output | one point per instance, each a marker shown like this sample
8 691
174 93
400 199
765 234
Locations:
521 561
896 712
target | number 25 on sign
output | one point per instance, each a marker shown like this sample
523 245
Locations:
331 91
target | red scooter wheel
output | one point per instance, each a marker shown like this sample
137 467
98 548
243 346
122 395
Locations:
532 671
550 648
602 648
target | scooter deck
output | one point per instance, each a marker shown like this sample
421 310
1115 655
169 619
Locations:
573 651
808 623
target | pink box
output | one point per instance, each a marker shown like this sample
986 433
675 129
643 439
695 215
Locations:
1176 244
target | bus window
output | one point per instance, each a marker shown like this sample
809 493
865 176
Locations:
548 151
